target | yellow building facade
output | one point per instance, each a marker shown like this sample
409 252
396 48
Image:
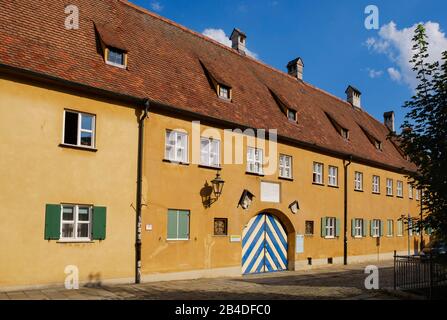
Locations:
77 146
178 186
36 171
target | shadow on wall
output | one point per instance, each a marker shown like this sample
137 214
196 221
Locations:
94 280
205 194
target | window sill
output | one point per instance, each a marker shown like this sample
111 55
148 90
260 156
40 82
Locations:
330 237
225 99
71 146
318 184
176 162
400 197
254 174
75 241
358 237
220 235
376 193
358 190
285 178
177 240
121 66
390 195
203 166
331 186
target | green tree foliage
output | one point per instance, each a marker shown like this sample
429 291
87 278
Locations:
424 134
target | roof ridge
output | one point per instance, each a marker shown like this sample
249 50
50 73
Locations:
203 37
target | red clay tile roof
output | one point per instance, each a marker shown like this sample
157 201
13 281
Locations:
164 65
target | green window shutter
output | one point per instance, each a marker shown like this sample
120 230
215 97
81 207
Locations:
381 228
52 221
353 227
99 223
172 224
323 227
365 227
183 224
337 227
371 228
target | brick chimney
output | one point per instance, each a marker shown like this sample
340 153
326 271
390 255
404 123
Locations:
238 39
388 120
353 96
295 68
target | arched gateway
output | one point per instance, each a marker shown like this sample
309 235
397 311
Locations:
264 245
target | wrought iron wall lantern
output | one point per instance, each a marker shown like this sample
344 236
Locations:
218 184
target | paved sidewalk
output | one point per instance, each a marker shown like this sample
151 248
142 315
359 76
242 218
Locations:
331 282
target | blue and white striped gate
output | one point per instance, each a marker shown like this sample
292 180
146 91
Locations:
264 245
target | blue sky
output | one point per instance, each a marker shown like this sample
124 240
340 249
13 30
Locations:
331 38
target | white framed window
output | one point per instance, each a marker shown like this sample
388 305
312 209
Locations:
285 166
358 226
176 146
376 228
389 187
291 115
358 181
224 92
418 194
255 160
210 152
76 221
330 227
376 184
79 129
333 176
399 189
410 191
378 144
389 228
344 133
400 228
318 173
410 227
116 57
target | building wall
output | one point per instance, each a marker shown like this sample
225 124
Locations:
178 186
35 171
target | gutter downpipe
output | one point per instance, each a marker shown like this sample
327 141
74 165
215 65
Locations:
139 191
345 214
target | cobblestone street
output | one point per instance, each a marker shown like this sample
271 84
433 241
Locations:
332 282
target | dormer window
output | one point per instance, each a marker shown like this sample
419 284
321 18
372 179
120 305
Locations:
340 129
375 142
220 86
286 108
224 92
113 44
291 115
378 144
115 57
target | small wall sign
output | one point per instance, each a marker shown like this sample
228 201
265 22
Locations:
299 243
235 238
148 227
